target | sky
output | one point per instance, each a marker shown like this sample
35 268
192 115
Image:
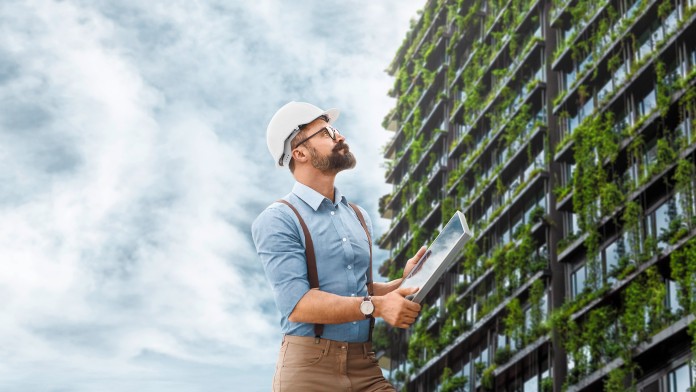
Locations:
132 163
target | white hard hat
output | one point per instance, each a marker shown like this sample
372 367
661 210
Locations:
285 124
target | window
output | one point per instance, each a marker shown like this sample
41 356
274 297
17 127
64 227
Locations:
679 380
466 372
684 130
573 123
588 108
531 384
620 74
571 224
632 8
605 90
673 297
567 174
650 157
659 221
577 281
643 45
647 104
671 22
612 255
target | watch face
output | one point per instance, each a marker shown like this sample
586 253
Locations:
367 307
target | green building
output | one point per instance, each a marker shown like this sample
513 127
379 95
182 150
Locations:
564 130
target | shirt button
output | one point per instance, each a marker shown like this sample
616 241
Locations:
344 239
333 213
352 295
350 266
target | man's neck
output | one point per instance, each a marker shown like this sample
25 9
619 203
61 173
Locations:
320 182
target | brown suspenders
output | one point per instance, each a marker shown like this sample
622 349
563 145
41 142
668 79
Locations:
312 274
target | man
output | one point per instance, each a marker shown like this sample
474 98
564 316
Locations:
326 324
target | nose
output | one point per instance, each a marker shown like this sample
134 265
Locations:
339 137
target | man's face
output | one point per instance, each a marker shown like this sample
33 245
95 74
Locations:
326 154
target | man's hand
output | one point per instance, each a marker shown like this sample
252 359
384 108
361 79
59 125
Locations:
413 260
395 309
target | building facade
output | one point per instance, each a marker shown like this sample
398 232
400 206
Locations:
564 131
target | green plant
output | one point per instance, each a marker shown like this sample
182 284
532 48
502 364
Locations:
514 322
536 296
422 345
488 377
546 384
664 91
449 383
502 355
631 218
684 185
683 271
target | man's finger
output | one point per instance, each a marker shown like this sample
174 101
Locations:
419 254
413 307
404 291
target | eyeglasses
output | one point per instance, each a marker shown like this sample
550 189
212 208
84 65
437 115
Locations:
331 131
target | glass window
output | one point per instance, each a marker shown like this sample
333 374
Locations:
612 255
466 372
650 155
632 8
577 281
644 44
571 224
528 319
531 384
672 296
604 91
662 219
679 380
572 123
544 305
647 104
570 78
588 108
620 74
484 357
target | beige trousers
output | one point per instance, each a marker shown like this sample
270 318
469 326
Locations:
307 364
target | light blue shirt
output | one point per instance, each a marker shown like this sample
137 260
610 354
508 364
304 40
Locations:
342 251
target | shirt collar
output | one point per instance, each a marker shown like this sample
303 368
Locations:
314 198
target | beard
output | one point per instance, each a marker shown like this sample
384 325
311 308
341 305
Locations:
334 162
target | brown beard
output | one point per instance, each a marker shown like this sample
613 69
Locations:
334 162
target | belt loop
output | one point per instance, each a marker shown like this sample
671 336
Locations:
364 347
317 340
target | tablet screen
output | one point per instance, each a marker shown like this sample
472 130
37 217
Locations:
439 255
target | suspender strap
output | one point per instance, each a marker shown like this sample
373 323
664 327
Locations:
370 289
369 241
312 274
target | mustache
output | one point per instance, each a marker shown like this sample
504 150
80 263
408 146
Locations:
341 146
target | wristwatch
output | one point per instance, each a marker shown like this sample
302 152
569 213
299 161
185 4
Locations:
367 307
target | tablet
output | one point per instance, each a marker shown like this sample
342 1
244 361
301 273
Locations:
439 257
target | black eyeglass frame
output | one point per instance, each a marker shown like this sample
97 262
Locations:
329 129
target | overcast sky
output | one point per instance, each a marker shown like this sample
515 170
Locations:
132 163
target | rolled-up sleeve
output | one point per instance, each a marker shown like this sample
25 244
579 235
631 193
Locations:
279 244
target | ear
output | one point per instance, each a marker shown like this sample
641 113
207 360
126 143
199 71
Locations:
300 155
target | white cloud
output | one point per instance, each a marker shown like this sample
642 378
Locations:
132 161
